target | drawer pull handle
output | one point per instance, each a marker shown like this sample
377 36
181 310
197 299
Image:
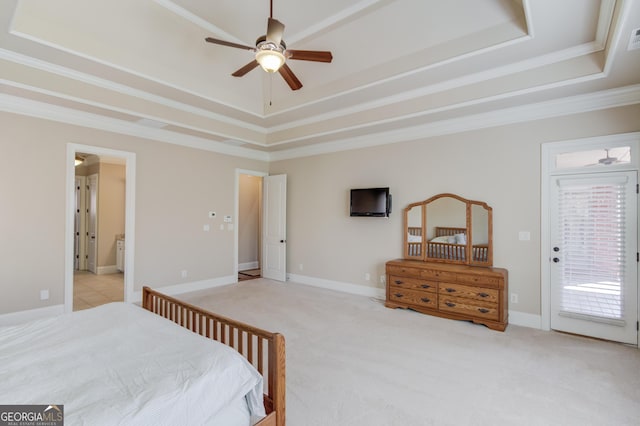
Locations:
450 304
398 295
483 310
426 300
425 286
450 290
483 294
398 282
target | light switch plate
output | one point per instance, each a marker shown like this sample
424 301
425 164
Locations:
524 235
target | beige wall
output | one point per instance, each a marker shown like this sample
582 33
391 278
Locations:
175 188
500 166
248 220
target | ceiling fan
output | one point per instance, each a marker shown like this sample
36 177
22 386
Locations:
272 53
607 160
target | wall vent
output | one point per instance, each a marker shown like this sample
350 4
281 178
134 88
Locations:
634 43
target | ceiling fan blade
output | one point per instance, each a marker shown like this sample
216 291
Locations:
310 55
290 77
242 71
228 43
275 29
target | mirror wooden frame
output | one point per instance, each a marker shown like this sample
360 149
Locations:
417 247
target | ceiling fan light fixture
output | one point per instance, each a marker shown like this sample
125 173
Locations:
270 60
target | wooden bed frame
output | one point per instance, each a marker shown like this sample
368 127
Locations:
445 250
263 349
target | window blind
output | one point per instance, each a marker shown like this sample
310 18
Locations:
592 242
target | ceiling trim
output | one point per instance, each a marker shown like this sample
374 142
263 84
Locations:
604 22
49 67
476 78
198 21
22 106
129 71
333 21
605 99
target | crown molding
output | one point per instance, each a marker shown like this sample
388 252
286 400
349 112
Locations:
198 21
22 106
605 99
62 71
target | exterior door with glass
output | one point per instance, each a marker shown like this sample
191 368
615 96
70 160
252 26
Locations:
594 268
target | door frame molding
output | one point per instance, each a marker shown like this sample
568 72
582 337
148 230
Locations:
236 207
549 150
129 227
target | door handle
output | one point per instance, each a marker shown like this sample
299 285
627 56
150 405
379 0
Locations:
283 241
556 260
556 249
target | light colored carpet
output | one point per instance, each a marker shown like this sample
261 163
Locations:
351 361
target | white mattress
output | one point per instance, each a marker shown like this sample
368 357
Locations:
120 364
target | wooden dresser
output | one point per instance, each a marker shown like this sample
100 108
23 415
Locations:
462 292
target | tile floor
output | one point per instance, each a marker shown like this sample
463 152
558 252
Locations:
90 290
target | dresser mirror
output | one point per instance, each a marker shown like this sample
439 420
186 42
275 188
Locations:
450 229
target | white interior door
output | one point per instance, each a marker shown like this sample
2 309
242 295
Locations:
594 249
274 254
92 228
77 219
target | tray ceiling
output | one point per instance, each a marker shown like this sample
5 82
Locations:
401 69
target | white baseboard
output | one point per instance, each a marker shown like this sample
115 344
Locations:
31 314
248 265
337 285
109 269
516 318
172 290
525 320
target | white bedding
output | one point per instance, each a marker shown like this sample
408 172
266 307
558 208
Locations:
120 364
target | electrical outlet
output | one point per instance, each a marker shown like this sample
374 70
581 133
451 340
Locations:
367 276
301 266
514 298
383 279
184 273
44 294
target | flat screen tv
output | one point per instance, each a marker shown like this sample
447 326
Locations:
372 202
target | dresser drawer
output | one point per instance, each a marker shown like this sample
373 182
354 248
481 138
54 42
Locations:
403 271
475 293
479 280
435 274
413 297
469 307
412 283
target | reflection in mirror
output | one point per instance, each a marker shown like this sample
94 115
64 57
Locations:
414 231
447 229
451 229
480 230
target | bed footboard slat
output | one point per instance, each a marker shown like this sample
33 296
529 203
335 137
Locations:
268 356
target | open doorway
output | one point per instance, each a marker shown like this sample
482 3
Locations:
100 213
99 221
249 226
